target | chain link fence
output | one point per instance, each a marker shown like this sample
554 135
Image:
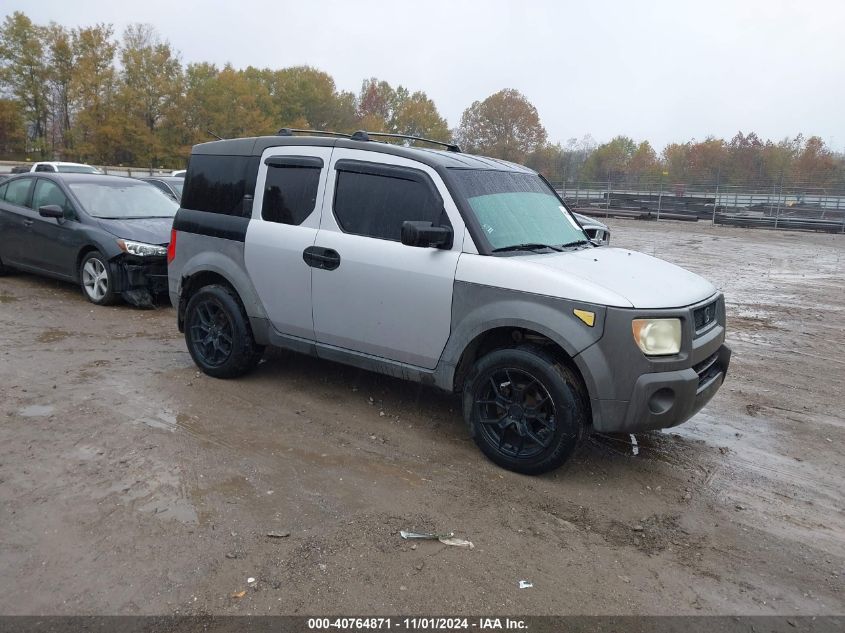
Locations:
752 204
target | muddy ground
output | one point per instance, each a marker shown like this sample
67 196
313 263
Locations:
130 483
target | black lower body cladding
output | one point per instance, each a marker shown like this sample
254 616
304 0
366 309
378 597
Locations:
631 392
228 227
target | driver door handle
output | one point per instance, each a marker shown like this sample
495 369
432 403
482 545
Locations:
322 258
28 222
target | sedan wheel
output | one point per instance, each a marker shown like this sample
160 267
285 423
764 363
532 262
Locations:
96 280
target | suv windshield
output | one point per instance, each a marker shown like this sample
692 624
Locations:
123 200
517 210
78 169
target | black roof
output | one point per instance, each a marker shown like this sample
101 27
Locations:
255 146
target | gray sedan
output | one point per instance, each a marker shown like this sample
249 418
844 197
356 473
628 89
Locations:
107 233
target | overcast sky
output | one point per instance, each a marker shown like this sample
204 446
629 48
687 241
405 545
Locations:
662 71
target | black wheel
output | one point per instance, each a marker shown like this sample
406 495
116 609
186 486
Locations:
527 411
218 335
96 279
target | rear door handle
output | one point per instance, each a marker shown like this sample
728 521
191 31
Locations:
322 258
28 222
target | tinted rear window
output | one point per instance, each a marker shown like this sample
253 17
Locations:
290 193
218 184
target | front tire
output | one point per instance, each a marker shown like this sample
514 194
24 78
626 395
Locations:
218 334
96 280
527 410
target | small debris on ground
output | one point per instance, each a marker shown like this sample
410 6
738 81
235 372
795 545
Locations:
431 536
278 534
239 594
525 584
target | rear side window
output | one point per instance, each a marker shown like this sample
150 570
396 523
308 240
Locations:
290 191
219 184
375 202
17 191
49 168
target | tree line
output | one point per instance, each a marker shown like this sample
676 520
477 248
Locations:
85 94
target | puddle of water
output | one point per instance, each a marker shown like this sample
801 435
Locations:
36 410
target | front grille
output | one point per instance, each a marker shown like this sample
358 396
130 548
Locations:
704 316
707 369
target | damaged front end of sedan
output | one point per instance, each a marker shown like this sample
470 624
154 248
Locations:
140 272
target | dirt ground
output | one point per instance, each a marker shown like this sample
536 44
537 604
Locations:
131 484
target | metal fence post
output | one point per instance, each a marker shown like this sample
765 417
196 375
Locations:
660 200
715 204
607 202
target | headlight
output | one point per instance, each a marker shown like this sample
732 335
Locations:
657 337
140 249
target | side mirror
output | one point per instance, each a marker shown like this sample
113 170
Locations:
425 234
51 211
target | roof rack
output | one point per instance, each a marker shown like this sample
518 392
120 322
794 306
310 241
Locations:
290 131
363 135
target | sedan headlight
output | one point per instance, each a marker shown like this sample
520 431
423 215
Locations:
140 249
657 337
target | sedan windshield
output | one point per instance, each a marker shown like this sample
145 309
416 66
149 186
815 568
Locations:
123 200
518 211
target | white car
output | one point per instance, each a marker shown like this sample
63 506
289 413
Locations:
64 168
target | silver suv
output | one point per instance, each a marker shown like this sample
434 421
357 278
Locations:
462 272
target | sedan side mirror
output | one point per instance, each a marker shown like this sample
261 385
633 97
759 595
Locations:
425 234
51 211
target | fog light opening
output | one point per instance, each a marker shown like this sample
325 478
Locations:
661 401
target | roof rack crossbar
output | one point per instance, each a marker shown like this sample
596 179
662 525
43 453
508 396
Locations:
363 135
452 147
290 131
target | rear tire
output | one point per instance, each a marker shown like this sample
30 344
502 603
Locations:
527 410
96 280
218 334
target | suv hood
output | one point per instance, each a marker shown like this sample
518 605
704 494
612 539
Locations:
641 280
147 230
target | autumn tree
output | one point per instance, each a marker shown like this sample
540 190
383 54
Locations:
151 78
815 163
96 129
25 73
505 125
610 160
417 115
12 136
60 75
226 102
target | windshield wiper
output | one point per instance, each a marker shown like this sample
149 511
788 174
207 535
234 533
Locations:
575 243
529 246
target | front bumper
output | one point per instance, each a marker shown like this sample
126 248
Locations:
630 392
138 279
665 399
